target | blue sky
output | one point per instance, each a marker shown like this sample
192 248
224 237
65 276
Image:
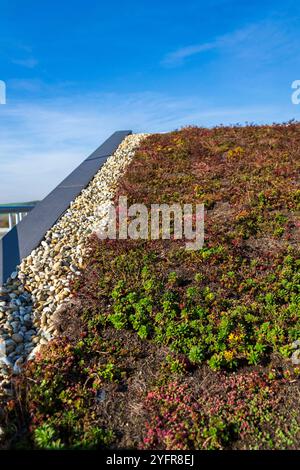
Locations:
77 71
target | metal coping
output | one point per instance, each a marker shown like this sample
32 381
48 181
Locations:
27 234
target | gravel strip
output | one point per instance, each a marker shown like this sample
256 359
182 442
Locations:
40 285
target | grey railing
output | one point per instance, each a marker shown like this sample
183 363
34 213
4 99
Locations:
26 235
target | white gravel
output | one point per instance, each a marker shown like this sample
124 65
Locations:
41 283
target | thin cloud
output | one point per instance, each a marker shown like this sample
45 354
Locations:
177 57
41 143
29 63
264 41
26 84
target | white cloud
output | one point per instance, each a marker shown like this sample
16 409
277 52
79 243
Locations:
41 143
31 85
263 41
177 57
29 63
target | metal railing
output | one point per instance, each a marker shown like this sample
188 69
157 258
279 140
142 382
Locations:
15 213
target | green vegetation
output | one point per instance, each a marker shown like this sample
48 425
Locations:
195 346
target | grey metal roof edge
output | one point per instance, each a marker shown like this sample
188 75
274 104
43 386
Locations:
27 234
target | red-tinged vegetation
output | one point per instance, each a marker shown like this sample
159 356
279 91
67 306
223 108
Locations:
193 347
236 407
